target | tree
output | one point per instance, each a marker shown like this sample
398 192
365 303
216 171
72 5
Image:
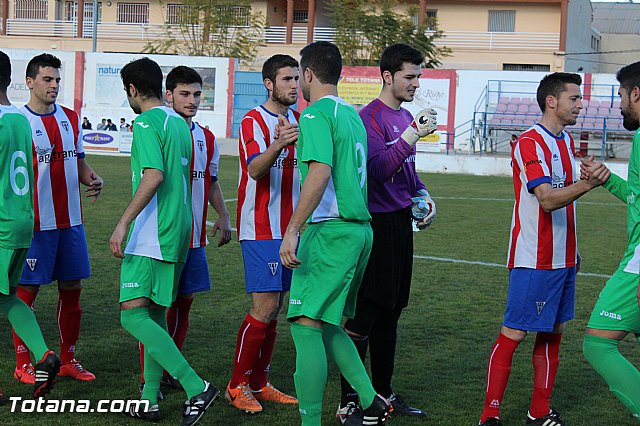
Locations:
364 28
211 28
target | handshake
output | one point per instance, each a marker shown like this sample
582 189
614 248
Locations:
425 123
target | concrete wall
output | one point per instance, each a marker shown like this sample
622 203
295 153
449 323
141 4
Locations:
579 33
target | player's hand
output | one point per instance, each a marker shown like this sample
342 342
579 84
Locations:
288 251
597 174
578 263
424 196
115 242
285 133
94 188
424 123
224 225
585 163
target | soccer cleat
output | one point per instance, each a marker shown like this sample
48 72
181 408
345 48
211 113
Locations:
151 415
377 413
46 371
349 415
160 395
402 408
25 374
76 371
551 419
171 382
491 421
269 393
195 407
242 398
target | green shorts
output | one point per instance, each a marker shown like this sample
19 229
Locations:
334 255
11 262
154 279
617 306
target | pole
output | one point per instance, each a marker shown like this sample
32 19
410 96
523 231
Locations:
94 34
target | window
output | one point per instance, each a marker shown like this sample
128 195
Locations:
177 13
71 11
526 67
595 43
237 16
133 13
30 9
502 21
431 20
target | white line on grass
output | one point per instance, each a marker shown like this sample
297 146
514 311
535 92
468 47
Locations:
229 200
493 265
510 200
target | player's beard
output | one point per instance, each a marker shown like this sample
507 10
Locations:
278 97
629 122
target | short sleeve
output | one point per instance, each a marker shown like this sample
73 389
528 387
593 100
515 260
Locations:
318 138
530 158
215 160
252 138
149 149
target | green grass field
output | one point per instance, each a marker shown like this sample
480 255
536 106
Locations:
445 334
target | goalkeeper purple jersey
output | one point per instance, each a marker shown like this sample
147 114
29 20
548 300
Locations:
391 163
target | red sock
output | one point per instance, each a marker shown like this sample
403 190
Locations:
141 349
498 375
68 314
545 366
23 356
178 319
250 339
260 374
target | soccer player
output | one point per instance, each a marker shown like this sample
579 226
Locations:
16 230
59 247
616 312
160 218
268 191
393 184
543 253
334 249
184 92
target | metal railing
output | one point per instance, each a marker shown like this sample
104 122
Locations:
476 40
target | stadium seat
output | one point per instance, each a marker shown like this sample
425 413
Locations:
515 101
526 101
585 104
501 108
603 111
591 112
594 103
512 108
503 100
523 109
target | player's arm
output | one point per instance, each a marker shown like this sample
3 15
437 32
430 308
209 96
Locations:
286 134
216 199
551 199
90 179
151 180
615 184
310 196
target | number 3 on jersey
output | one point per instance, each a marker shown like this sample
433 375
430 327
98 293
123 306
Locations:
362 163
19 185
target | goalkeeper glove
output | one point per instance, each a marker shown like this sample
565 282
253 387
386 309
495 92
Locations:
425 123
426 198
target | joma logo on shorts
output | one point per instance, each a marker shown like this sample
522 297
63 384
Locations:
129 285
611 315
295 302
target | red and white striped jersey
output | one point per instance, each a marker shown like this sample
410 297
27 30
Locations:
204 171
539 239
57 146
265 206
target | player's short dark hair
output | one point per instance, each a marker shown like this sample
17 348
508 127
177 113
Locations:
396 55
276 62
182 75
629 76
553 85
145 75
324 59
42 61
5 71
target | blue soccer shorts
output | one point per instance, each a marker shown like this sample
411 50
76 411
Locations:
195 274
539 299
263 271
58 254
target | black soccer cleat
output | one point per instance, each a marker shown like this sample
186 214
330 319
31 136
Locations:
551 419
46 371
491 421
171 382
349 415
377 413
404 409
150 415
195 408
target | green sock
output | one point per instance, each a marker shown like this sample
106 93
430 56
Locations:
24 323
152 370
622 377
160 346
343 352
310 377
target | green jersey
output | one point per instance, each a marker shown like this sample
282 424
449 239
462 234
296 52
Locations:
162 141
331 132
628 191
16 179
